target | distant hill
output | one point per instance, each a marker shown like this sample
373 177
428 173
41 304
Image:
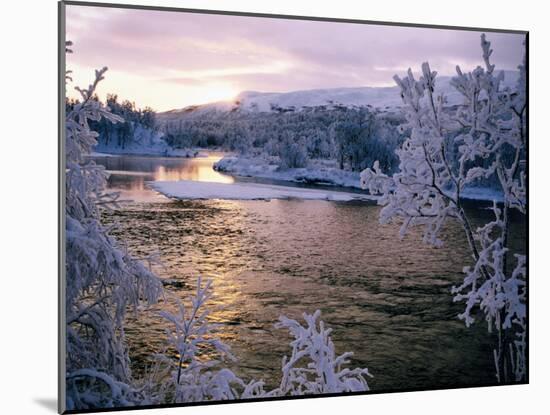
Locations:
376 97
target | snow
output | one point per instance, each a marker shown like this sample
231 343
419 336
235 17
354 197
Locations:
98 292
482 193
321 172
318 171
374 96
96 154
384 97
189 189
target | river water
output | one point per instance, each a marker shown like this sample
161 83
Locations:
387 300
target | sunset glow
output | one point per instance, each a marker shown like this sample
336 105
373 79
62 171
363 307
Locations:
169 60
217 92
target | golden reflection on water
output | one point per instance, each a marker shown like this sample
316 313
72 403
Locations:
199 169
129 174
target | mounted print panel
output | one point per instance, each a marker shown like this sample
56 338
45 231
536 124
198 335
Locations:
260 207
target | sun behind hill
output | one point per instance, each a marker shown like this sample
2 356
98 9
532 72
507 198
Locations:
218 92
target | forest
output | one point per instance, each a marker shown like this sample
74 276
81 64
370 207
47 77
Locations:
124 134
352 137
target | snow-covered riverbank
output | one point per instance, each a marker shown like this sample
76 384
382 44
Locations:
146 142
319 172
190 189
149 151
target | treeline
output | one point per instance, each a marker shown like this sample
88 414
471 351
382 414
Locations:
353 137
123 133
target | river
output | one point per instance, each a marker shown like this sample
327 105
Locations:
387 300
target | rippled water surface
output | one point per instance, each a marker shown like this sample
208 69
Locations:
388 300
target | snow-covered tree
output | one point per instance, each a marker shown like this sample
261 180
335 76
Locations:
292 152
139 126
102 280
489 130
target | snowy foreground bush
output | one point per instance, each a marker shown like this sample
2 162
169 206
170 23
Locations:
489 131
103 283
312 368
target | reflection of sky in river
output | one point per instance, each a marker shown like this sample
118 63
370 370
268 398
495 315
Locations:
129 174
388 300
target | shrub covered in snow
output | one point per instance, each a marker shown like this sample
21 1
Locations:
293 153
314 367
190 378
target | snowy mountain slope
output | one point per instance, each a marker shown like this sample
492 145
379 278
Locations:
377 97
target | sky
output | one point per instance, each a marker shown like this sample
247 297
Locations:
169 60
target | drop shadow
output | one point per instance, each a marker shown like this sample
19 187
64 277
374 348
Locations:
48 403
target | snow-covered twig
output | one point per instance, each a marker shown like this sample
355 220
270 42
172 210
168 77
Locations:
314 367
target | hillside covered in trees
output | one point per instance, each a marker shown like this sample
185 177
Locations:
351 137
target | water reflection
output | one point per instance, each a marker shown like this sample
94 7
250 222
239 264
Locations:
129 174
388 301
198 169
